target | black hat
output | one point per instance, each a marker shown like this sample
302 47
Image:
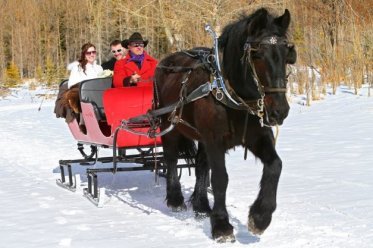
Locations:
133 38
124 43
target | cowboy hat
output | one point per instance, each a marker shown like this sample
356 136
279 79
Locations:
135 37
123 42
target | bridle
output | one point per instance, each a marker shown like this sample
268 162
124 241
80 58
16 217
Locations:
247 61
252 46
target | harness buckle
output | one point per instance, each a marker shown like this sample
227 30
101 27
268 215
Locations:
219 94
210 58
260 105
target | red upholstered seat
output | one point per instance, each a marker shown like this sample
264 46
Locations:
125 103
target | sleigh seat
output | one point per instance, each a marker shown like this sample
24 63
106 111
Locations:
104 108
91 91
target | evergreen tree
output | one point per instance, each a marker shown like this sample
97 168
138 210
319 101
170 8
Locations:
50 72
62 73
12 75
39 75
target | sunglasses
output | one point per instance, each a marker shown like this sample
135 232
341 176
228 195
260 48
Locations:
90 53
116 51
137 45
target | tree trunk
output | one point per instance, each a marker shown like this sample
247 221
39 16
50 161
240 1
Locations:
167 29
369 79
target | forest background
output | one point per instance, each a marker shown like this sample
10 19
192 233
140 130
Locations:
39 38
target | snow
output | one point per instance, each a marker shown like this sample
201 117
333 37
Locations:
324 197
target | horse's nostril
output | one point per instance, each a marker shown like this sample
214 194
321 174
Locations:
276 113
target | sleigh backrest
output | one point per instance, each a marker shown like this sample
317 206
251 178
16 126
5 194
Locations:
91 91
125 103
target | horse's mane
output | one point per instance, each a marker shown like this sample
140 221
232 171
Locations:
237 32
239 27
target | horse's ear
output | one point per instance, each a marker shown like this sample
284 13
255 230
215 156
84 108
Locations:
291 57
284 20
223 39
259 21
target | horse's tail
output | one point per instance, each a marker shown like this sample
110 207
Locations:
187 150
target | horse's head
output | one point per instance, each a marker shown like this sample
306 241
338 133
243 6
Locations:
261 53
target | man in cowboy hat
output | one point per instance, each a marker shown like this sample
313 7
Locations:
137 66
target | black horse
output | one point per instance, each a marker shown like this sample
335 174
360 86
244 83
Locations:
254 52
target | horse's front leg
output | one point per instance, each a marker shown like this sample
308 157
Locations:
221 229
174 198
260 214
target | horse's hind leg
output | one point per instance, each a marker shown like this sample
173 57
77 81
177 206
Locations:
199 198
174 198
260 214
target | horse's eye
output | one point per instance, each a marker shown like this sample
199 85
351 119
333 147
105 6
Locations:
264 46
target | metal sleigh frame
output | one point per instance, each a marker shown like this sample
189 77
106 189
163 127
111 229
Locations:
145 158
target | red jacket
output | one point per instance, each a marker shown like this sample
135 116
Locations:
124 69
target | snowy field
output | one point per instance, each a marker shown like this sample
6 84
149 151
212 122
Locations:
325 196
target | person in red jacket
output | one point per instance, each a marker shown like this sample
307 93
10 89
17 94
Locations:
137 66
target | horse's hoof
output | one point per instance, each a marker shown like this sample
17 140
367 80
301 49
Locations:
181 208
252 227
226 239
222 231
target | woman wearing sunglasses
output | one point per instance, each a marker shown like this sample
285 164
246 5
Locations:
137 66
85 68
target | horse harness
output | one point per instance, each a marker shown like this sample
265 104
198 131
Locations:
220 89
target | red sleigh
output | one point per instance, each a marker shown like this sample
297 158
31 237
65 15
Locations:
104 110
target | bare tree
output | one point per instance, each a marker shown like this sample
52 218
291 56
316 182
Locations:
334 36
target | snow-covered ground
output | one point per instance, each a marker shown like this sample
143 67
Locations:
325 196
